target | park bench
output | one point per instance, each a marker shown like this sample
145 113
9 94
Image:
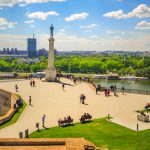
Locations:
85 118
65 122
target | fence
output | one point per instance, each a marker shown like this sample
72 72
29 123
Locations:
136 91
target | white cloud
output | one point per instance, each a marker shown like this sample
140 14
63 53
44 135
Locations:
79 16
62 30
131 41
22 5
88 30
91 26
94 36
141 11
41 15
110 32
117 32
42 1
4 23
11 3
143 25
29 21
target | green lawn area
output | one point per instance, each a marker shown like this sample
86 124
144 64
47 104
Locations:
102 133
15 117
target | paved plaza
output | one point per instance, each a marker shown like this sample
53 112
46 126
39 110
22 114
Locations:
48 98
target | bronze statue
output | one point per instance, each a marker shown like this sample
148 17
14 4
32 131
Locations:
51 30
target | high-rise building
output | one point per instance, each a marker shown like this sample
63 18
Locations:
31 47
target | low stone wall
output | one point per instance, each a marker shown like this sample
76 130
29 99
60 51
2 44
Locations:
46 144
5 102
8 116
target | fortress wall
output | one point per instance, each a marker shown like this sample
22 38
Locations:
5 102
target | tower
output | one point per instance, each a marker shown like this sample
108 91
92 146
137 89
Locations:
31 47
50 74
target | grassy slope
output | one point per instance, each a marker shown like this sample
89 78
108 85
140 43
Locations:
15 117
102 133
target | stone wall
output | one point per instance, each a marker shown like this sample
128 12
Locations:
5 102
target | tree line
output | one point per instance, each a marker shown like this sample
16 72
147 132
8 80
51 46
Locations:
120 64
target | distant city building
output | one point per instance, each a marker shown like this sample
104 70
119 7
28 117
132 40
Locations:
28 60
80 53
13 52
31 47
117 52
42 52
146 53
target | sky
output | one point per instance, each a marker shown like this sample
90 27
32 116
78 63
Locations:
97 25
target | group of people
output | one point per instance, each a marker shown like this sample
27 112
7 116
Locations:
65 121
147 106
84 117
107 92
19 103
82 98
32 83
74 79
98 88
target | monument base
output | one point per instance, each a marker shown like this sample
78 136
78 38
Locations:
50 75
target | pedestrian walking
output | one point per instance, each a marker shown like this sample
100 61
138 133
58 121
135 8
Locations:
33 83
30 99
43 120
83 99
16 87
96 88
122 90
63 86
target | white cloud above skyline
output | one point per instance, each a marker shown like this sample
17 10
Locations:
143 25
91 26
77 16
141 11
11 3
4 23
41 15
29 21
68 42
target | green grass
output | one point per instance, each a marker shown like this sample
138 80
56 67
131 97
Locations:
102 133
15 117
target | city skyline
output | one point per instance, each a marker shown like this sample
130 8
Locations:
79 25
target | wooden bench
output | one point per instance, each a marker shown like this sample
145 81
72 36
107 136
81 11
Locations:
65 122
85 118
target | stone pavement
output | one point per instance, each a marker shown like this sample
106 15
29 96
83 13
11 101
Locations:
48 98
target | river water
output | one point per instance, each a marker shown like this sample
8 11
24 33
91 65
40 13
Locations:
128 84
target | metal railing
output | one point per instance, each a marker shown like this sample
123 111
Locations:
136 91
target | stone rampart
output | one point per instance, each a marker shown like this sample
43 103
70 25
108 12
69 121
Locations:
5 102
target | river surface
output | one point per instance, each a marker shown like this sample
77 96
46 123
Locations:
128 84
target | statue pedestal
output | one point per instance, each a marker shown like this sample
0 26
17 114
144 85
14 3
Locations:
50 74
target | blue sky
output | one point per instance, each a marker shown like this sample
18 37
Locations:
79 24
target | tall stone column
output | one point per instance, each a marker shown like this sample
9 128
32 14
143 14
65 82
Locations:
50 74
